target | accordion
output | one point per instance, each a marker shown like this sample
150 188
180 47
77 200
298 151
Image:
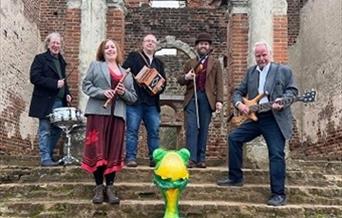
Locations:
150 79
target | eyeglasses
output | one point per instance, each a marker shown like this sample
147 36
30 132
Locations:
150 41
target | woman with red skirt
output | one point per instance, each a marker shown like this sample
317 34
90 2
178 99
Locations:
103 147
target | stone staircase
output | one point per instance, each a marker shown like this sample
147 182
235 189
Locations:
27 190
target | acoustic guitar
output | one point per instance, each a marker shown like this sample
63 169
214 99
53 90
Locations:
254 107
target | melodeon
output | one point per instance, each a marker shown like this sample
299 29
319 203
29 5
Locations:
150 79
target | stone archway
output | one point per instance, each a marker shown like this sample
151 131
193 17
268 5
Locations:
171 42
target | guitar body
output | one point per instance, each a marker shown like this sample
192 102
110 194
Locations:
239 118
254 106
252 115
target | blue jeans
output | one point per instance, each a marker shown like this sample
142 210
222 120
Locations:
151 117
48 135
196 139
269 129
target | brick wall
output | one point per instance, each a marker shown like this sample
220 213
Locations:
237 36
185 24
316 29
293 14
52 16
20 41
72 36
22 36
280 39
116 25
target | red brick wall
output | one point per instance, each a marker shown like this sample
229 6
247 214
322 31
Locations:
71 48
185 24
10 137
51 16
280 39
237 36
116 25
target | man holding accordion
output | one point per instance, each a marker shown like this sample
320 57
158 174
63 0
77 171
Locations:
144 65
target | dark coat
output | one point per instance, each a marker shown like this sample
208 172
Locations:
44 77
136 63
279 83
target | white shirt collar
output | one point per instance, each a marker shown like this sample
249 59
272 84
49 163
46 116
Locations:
265 69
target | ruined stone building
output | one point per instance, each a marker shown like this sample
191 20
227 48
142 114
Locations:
306 34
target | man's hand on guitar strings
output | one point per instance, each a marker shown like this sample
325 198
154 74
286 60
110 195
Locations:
244 109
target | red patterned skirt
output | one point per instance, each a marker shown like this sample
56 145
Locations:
104 143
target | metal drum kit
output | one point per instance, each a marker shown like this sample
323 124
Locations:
68 119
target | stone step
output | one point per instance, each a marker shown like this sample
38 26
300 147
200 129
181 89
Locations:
321 166
148 191
11 174
326 167
154 209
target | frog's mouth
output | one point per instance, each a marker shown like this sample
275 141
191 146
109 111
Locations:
169 184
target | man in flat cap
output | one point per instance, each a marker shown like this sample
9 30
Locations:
202 77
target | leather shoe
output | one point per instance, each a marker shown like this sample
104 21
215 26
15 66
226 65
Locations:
191 164
152 163
201 165
277 200
131 163
48 163
229 182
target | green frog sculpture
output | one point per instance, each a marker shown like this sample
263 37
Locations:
171 176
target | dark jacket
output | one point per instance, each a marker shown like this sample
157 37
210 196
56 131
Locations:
279 83
44 77
136 63
213 84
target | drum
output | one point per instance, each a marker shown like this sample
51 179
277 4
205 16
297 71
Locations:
66 116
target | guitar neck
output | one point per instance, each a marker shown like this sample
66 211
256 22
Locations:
263 107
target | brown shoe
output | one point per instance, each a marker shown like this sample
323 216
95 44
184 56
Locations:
111 197
191 164
201 165
131 163
98 197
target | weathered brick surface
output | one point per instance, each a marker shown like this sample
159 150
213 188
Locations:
22 36
280 39
293 14
71 48
116 25
19 42
319 123
185 24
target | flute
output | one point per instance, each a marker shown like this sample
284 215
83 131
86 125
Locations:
109 100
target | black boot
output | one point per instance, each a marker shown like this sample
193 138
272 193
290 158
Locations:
99 194
111 197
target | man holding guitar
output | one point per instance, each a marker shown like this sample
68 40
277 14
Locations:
266 83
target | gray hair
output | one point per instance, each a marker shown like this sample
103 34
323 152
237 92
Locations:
48 38
264 43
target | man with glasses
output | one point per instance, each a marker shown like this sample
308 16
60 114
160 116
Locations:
147 107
